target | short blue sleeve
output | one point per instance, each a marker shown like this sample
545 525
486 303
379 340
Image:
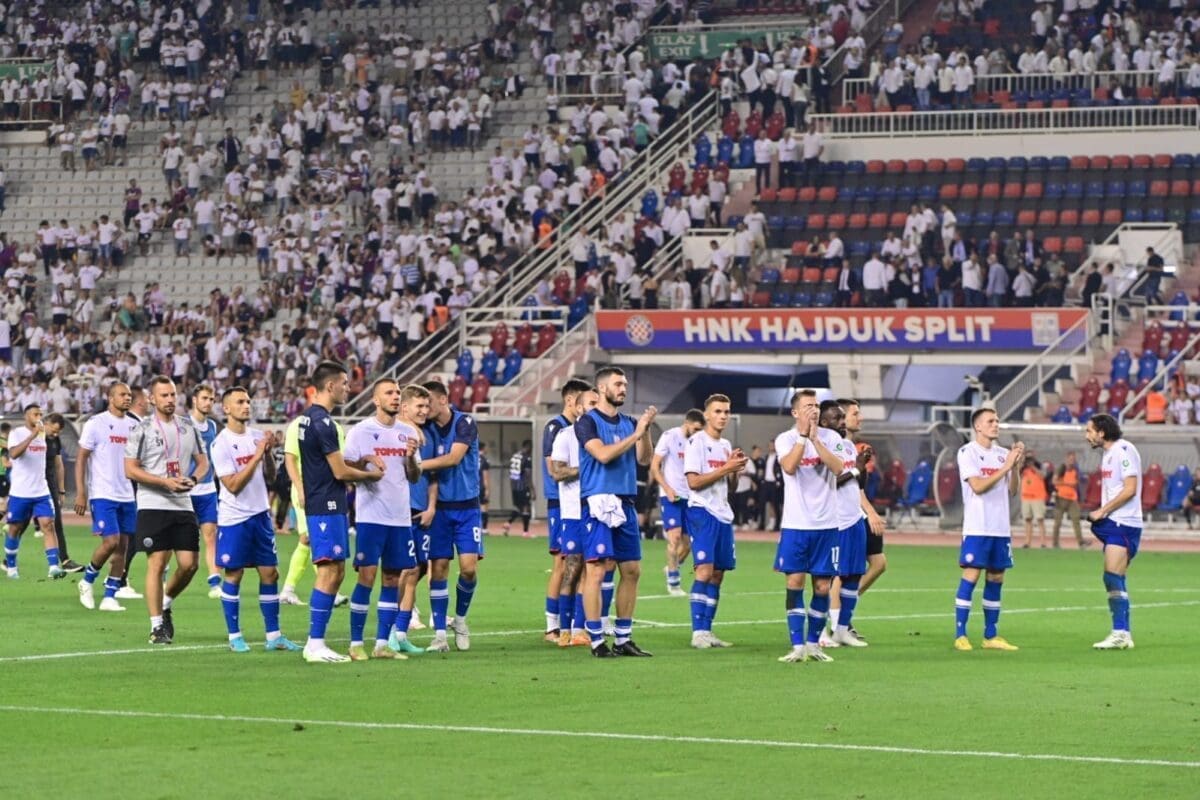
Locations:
552 428
465 430
585 430
324 431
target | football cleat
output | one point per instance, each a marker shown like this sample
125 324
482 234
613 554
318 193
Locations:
387 652
281 642
438 645
796 655
398 645
169 623
580 639
159 636
288 598
70 566
462 635
700 640
214 593
340 600
238 644
358 653
997 643
963 643
128 593
110 604
1117 640
813 652
715 642
87 597
324 655
847 638
630 649
602 651
827 641
564 639
552 636
12 573
55 572
676 591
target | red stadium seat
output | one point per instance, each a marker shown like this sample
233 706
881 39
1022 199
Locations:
479 390
787 195
949 191
1152 486
991 191
1074 245
1069 218
837 222
808 194
956 164
1012 191
969 191
800 247
1112 216
761 300
545 340
1180 188
1047 218
1092 494
1121 162
1033 191
1159 188
897 220
768 195
827 194
1099 162
876 167
1163 161
830 274
457 390
878 220
1052 244
1090 217
791 275
895 167
816 222
935 166
857 222
1143 160
1026 217
914 166
1079 163
811 275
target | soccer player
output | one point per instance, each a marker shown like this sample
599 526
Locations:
103 489
139 409
160 449
243 464
983 466
520 479
204 495
850 557
1117 523
322 494
414 412
564 468
56 479
666 468
809 529
611 445
456 521
383 518
30 494
554 612
711 465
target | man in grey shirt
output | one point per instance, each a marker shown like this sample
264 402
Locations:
164 456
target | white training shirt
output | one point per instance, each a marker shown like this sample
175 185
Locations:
231 452
1120 461
986 514
29 471
385 501
809 494
704 455
671 446
105 436
565 449
848 498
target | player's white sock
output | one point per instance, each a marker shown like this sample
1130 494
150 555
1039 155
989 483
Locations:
155 622
551 622
314 644
167 601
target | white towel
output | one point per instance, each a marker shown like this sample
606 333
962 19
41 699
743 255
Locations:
608 509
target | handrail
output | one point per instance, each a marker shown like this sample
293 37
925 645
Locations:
872 31
1006 122
1031 379
1032 82
1160 376
1125 284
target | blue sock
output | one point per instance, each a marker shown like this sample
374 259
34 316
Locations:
566 611
1118 600
320 606
403 620
214 581
439 603
849 597
818 611
795 616
595 630
962 606
90 573
463 592
699 601
360 605
111 585
268 604
623 628
577 622
714 597
553 611
52 556
230 605
606 594
386 610
11 543
673 578
991 608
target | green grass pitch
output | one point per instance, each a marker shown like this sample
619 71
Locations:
515 717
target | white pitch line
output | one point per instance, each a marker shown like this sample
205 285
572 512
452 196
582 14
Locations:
605 735
942 590
645 622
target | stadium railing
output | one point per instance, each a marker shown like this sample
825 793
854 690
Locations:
519 396
1064 351
1003 122
872 31
1041 82
1131 409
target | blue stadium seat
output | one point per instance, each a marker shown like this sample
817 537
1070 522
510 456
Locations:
1115 189
1086 414
1062 416
1005 219
770 275
780 298
856 167
1155 215
1122 362
1178 486
1060 164
1074 190
1018 163
489 366
512 367
823 300
1147 365
976 164
1055 191
465 365
802 298
1134 215
576 312
1039 163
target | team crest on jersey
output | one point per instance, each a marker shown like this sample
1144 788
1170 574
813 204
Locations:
700 554
224 558
970 558
337 549
601 548
570 545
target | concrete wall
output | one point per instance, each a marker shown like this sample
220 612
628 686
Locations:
1060 143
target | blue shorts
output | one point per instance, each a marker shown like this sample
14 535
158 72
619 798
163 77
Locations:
421 537
571 535
205 506
712 540
674 515
111 517
986 552
329 537
554 527
600 542
393 546
21 509
249 543
455 529
850 558
1118 535
806 551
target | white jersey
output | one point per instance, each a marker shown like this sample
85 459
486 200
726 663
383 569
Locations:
385 501
29 471
671 446
986 514
848 498
1120 461
230 453
704 455
565 449
105 435
809 494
